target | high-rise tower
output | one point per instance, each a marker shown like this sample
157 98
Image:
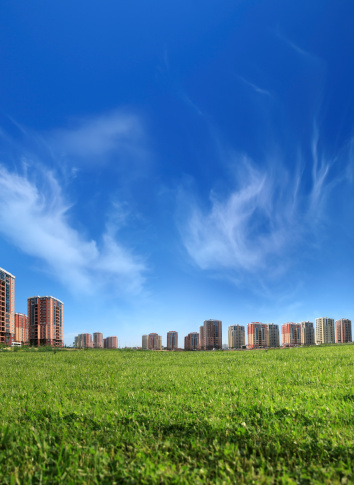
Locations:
45 321
7 307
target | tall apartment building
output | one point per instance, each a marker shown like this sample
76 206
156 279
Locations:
154 341
191 342
325 331
83 341
144 342
97 340
7 307
211 335
45 321
21 328
111 343
172 340
343 331
236 336
307 333
291 334
257 335
273 335
201 338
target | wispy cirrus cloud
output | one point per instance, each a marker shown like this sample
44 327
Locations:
114 136
34 217
255 88
255 228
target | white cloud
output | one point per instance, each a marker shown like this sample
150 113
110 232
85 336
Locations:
255 228
256 88
35 218
94 140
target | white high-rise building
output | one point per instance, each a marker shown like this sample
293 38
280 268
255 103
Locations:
325 331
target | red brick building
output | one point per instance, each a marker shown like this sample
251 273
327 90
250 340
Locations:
111 343
7 307
191 342
21 328
98 340
291 334
343 331
172 340
257 335
211 335
45 321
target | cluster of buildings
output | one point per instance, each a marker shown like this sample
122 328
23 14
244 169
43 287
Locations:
259 335
95 341
43 324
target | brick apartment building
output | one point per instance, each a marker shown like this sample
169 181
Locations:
98 340
172 340
21 328
45 321
257 335
110 343
343 331
191 341
291 334
84 341
7 307
211 335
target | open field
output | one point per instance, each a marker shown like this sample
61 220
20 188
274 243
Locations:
277 416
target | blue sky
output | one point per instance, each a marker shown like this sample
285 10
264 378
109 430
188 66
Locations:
162 163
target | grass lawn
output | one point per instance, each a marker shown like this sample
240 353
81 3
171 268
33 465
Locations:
99 416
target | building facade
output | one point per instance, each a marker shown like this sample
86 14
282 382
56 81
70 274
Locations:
7 307
307 333
211 335
45 321
201 338
154 341
236 336
111 343
273 335
172 340
343 331
97 340
144 342
291 334
257 335
325 331
191 342
21 328
83 341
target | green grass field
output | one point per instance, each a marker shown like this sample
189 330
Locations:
277 416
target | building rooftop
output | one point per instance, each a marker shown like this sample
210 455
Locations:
52 297
7 272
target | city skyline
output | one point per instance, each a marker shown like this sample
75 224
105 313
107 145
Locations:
189 160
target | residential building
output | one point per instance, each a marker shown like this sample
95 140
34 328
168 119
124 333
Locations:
273 335
154 341
202 337
343 331
325 331
97 340
144 343
307 333
21 328
191 342
172 340
7 307
45 321
83 341
211 335
291 334
236 336
111 343
257 335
